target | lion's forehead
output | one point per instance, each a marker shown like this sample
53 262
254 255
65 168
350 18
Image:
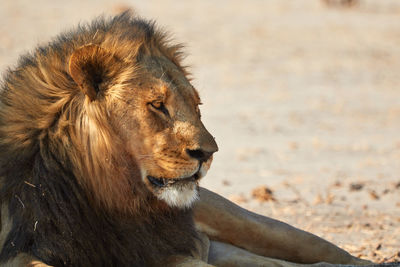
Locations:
170 79
181 91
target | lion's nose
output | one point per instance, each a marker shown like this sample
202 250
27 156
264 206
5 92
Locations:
199 154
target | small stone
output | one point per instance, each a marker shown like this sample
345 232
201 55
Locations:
356 186
226 182
373 195
263 193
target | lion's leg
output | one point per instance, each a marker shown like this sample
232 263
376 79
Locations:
202 247
225 255
199 257
224 221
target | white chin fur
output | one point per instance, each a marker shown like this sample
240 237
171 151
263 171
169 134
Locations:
180 196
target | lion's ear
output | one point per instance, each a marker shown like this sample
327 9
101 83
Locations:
90 66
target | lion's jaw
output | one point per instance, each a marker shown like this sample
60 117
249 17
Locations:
180 192
180 196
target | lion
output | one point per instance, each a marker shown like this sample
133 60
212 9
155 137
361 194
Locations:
102 149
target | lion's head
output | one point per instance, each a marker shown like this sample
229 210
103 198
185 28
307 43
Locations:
155 114
113 104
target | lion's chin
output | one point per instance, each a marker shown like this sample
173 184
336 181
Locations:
180 196
179 193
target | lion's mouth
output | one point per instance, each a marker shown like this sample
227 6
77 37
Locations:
164 182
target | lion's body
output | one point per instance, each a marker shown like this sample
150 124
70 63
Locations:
101 150
72 189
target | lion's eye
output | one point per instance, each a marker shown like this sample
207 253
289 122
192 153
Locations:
158 105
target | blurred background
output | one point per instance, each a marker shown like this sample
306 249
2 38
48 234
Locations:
302 97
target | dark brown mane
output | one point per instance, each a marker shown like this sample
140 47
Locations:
62 160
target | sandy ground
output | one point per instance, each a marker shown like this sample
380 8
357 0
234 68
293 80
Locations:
303 99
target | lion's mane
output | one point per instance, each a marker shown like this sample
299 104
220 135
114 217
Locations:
72 191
